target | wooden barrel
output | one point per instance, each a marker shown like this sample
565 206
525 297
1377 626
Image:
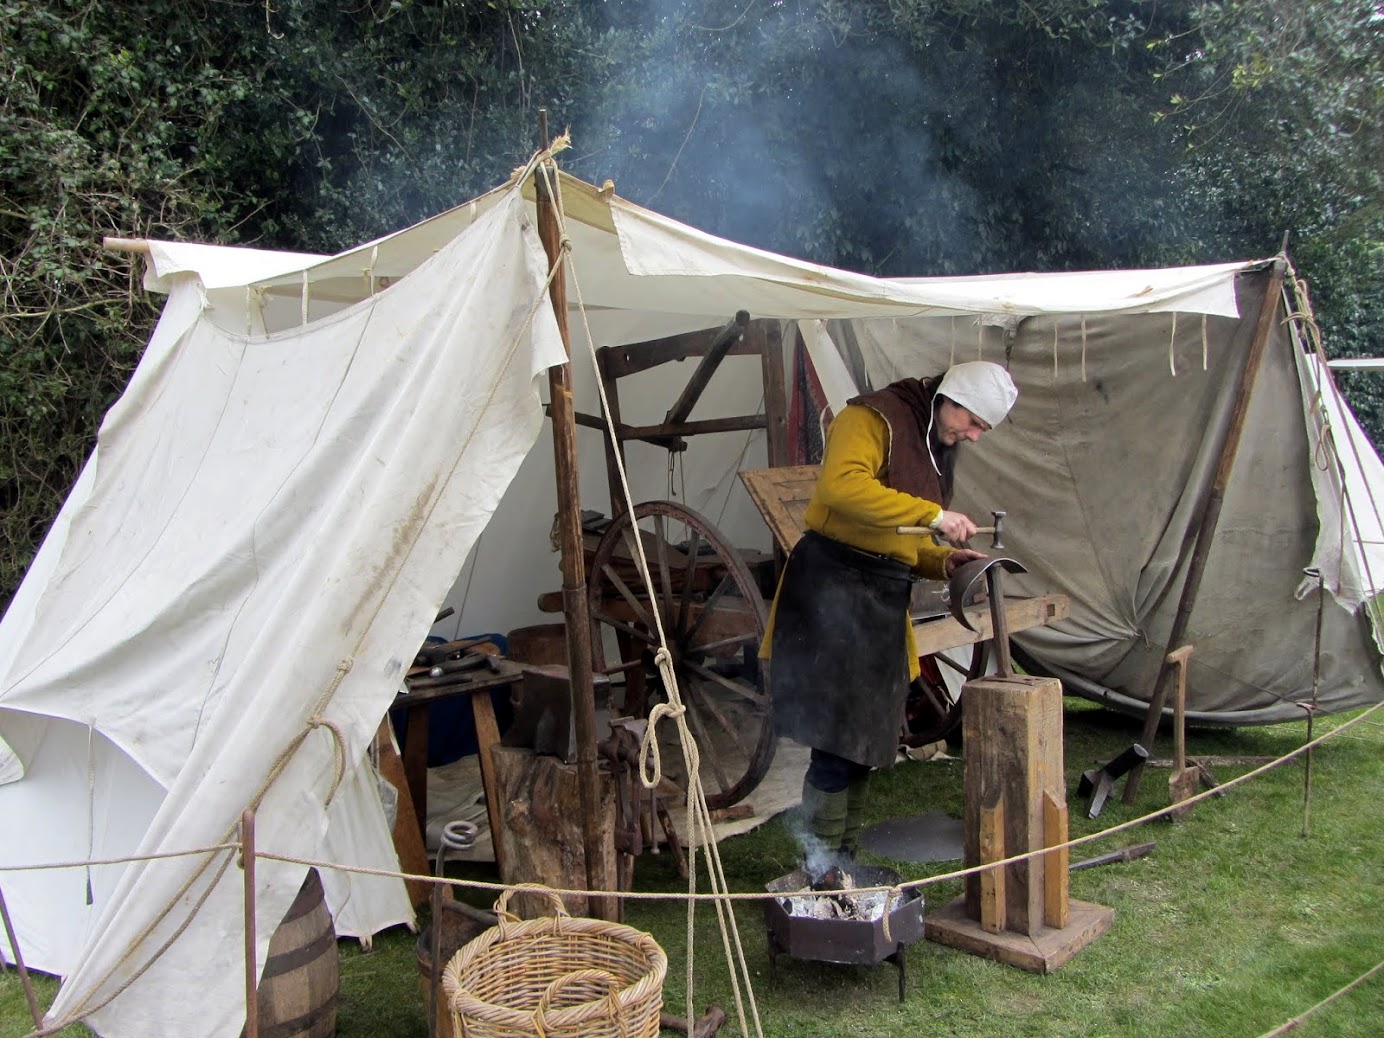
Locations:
538 645
300 983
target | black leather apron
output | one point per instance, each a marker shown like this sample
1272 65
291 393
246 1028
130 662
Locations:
839 651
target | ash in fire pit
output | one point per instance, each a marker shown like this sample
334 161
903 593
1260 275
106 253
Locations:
843 904
842 926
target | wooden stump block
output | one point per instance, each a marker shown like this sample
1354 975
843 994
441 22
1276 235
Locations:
1012 731
1016 804
540 808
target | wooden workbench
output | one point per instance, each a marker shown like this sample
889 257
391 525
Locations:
478 687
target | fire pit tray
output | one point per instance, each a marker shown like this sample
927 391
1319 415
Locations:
846 941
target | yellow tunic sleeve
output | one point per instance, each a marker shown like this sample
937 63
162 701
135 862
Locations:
851 505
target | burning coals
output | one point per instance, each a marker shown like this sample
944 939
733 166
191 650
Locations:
834 898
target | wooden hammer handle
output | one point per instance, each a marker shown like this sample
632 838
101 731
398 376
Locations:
929 529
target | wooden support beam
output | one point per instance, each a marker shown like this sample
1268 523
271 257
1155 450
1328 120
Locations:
768 335
573 560
708 425
640 356
730 335
941 633
614 448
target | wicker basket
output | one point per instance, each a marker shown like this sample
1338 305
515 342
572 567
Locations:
556 977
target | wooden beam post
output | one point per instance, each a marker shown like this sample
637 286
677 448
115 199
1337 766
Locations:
768 336
573 560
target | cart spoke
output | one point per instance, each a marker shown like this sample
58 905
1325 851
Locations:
704 701
665 578
743 690
714 648
616 624
944 658
639 568
708 607
629 596
621 668
707 750
689 580
938 702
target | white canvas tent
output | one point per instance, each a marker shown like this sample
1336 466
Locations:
311 448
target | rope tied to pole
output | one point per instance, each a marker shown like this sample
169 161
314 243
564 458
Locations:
698 814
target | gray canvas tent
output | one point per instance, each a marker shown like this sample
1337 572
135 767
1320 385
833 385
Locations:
312 448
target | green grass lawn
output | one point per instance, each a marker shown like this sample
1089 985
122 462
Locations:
1234 925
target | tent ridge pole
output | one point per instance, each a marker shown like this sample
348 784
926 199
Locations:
573 561
1210 514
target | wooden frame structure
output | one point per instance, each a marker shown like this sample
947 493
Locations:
741 336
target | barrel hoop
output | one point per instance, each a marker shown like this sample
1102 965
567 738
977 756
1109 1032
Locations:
304 1024
285 962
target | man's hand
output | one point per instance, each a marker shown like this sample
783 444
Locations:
960 557
955 527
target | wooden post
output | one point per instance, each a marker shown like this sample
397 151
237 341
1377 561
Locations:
614 446
768 336
24 981
247 862
573 561
1210 515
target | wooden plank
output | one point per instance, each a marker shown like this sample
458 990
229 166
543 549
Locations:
939 633
994 917
1044 953
1056 875
782 494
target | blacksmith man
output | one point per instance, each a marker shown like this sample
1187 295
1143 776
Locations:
841 644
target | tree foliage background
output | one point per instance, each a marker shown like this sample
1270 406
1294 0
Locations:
887 136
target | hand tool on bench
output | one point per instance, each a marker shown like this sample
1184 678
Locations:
1184 782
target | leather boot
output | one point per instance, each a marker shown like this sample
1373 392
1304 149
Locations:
824 816
856 793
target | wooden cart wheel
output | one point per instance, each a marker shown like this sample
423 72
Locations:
713 618
934 710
